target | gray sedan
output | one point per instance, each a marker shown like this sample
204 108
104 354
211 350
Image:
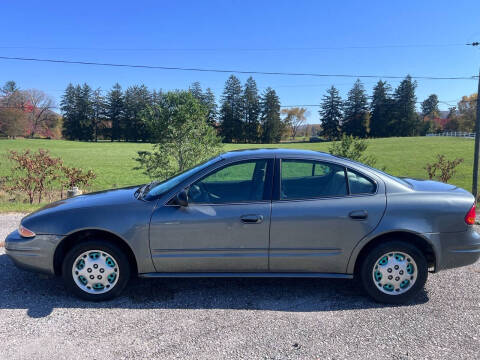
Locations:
256 213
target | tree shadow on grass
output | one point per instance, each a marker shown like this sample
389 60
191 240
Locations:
25 290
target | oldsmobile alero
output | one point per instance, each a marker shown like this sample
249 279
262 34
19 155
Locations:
256 213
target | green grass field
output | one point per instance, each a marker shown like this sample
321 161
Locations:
114 162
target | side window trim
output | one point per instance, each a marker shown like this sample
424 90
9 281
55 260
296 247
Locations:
277 183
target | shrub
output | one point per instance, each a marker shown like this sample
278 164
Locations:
183 137
76 177
352 148
32 173
444 166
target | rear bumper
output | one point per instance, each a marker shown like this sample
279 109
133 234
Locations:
35 254
455 249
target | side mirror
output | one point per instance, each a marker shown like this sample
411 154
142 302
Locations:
182 198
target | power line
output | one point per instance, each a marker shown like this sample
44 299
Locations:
176 68
313 48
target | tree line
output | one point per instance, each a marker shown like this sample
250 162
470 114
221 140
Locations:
242 115
390 112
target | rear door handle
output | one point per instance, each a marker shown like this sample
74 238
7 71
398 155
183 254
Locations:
358 214
251 219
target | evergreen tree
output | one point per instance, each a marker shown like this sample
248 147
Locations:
331 114
355 112
99 108
381 109
136 100
252 111
211 104
9 89
405 118
430 107
231 111
114 111
207 100
272 127
196 90
85 113
70 113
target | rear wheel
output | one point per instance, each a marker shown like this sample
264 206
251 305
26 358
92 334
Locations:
394 272
96 270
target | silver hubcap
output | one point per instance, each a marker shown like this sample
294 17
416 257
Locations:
394 273
95 271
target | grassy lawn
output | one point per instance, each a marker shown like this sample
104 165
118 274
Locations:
113 162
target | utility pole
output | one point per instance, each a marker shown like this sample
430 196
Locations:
477 144
477 137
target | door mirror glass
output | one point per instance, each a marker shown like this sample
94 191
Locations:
182 198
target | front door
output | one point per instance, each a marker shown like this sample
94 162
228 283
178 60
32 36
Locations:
225 227
320 216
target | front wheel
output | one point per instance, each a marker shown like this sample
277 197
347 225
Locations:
394 272
96 270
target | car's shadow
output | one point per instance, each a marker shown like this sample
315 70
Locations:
25 290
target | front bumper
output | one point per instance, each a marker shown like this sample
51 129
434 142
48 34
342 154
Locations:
455 249
35 254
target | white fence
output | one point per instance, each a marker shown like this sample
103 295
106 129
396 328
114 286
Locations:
455 134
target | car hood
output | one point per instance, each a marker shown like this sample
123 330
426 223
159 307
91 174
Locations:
95 199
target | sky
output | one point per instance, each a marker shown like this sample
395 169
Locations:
420 38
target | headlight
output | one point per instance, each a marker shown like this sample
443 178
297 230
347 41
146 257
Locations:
24 232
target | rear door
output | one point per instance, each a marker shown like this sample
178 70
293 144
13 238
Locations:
225 227
321 212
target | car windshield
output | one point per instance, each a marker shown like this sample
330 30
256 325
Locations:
160 188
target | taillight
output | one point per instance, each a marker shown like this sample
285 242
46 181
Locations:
470 217
24 232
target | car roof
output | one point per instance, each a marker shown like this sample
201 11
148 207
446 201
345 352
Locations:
274 152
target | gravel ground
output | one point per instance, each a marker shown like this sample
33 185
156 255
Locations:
236 318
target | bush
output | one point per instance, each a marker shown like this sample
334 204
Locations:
183 137
352 148
34 174
444 166
76 177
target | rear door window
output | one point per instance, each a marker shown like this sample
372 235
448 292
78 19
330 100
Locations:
303 179
359 184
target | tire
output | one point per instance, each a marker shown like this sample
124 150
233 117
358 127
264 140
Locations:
95 270
388 278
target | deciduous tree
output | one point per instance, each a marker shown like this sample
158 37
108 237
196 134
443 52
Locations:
294 119
183 136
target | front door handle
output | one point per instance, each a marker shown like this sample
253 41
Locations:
358 214
251 219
